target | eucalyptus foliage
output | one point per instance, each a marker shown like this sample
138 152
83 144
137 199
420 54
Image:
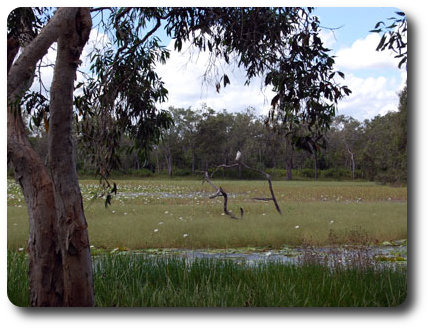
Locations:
394 37
120 95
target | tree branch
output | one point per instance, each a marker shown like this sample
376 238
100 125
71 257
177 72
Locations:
23 68
221 192
266 175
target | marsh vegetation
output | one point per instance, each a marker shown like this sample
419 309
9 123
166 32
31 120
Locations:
158 213
166 243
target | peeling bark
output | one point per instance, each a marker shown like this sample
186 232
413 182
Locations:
45 266
72 225
60 271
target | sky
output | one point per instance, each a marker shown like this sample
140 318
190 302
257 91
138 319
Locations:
373 77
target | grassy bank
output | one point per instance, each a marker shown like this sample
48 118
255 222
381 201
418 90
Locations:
148 214
134 280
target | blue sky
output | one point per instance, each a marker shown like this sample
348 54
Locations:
354 22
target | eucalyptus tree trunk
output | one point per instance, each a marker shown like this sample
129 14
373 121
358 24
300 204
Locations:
352 162
193 163
60 271
168 157
315 165
289 159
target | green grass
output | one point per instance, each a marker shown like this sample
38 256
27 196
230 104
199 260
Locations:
178 214
132 280
326 213
17 278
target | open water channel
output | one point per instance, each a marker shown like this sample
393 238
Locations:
391 255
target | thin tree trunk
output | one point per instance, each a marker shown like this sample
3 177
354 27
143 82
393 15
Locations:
352 163
168 158
157 161
193 164
316 164
289 160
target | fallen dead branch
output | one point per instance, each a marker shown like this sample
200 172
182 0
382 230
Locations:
221 192
264 174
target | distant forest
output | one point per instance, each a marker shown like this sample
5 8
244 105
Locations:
374 150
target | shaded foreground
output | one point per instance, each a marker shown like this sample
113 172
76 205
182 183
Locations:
130 280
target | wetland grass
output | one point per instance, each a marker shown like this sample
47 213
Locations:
179 214
131 280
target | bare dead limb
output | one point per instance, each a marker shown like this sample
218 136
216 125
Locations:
223 166
266 175
273 194
221 192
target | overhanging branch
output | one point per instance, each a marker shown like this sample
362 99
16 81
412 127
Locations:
23 68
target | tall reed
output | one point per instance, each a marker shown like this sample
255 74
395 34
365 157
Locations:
133 280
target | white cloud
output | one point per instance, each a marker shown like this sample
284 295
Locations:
328 38
371 96
46 71
363 55
183 75
373 77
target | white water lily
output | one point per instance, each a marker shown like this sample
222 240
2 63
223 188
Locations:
331 222
155 230
185 235
161 222
297 227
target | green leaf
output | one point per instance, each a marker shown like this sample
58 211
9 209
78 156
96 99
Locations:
381 42
378 24
226 80
178 44
275 100
402 61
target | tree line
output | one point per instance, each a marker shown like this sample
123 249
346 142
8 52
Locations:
198 140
